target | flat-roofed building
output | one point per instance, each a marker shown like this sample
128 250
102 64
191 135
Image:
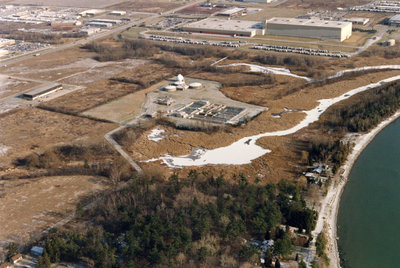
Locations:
107 21
226 27
117 13
233 12
310 28
41 91
91 12
395 20
99 24
6 42
360 21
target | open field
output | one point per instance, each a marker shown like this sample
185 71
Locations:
317 4
154 6
34 130
28 206
74 67
71 3
10 86
103 91
123 109
270 12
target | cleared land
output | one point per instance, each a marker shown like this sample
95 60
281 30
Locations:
29 206
125 108
34 130
146 6
70 3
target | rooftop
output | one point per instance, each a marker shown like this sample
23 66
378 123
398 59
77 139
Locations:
310 22
228 25
231 11
395 18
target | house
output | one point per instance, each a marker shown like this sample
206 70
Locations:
16 258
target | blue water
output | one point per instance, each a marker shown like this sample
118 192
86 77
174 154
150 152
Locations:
369 213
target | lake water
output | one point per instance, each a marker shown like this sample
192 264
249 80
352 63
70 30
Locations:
369 213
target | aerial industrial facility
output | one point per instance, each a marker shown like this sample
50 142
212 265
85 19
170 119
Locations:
308 28
226 27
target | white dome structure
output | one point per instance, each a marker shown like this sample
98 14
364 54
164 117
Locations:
195 85
180 79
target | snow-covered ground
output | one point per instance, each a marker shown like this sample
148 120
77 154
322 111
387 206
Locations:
245 150
3 149
365 68
156 135
263 69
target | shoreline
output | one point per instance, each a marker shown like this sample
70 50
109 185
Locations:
331 202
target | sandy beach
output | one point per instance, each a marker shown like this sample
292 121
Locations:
330 204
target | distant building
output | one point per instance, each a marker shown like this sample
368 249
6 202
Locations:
389 43
310 28
233 12
100 24
90 31
360 21
395 20
16 258
6 42
37 251
91 12
113 22
226 27
41 91
117 13
3 52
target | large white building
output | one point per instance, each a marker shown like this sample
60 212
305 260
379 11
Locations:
310 28
226 27
395 20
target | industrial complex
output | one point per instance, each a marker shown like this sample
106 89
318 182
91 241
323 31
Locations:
226 27
308 28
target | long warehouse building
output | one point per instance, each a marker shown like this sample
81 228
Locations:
226 27
41 91
310 28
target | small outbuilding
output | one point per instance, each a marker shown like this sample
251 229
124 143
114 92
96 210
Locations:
16 258
37 251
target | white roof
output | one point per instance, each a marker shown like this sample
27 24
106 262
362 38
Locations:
179 78
309 22
232 11
395 18
227 25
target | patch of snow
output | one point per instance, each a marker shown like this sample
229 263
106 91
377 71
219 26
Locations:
3 149
156 135
273 70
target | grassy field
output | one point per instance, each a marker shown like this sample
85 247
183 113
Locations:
123 109
268 13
